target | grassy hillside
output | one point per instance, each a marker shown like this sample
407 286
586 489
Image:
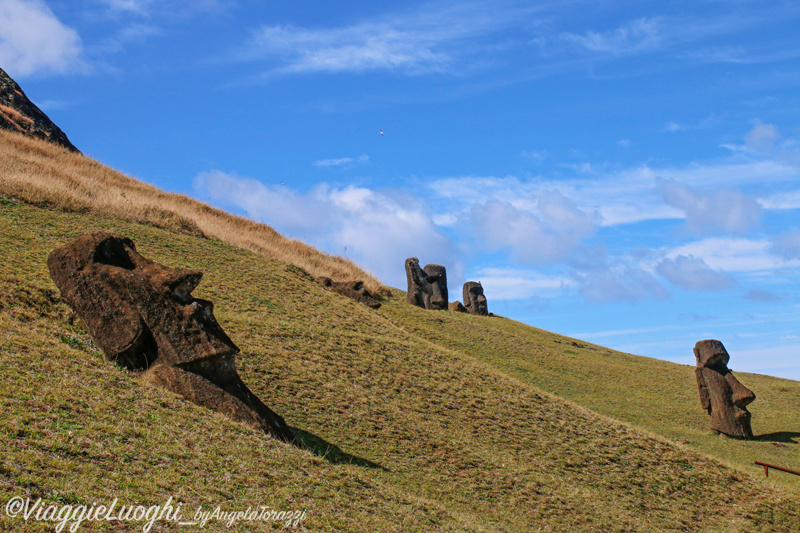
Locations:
412 420
44 174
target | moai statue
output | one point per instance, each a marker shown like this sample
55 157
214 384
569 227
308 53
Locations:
419 290
437 277
427 288
351 289
721 394
474 300
143 316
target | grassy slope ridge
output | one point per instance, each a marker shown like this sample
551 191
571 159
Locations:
429 437
44 174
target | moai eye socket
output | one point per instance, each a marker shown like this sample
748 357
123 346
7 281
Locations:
114 252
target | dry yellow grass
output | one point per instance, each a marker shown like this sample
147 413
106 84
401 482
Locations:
41 173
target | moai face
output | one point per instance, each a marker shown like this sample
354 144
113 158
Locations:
721 394
143 316
474 300
437 277
137 311
419 290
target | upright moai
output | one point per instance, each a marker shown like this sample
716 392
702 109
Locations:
721 394
427 288
437 277
474 300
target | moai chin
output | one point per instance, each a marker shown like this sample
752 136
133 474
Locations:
474 300
721 394
143 316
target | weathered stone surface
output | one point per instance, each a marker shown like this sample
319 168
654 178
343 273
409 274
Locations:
351 289
474 300
18 113
456 307
419 289
437 277
721 394
427 288
143 316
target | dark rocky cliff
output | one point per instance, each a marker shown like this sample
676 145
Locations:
18 113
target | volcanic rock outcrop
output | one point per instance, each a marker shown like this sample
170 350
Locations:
427 288
474 300
143 316
351 289
18 113
721 394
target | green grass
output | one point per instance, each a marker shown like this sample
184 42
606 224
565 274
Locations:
418 421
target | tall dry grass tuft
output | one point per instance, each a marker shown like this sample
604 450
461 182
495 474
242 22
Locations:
44 174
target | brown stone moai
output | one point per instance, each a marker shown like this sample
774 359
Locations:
351 289
427 288
721 394
437 277
456 307
143 316
474 300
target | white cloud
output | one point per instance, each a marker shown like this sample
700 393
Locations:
734 254
378 231
623 284
787 244
33 40
548 234
636 36
433 39
693 274
325 163
519 284
721 210
761 295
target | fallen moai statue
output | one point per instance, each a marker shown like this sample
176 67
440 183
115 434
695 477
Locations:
427 288
474 300
456 307
721 394
351 289
143 316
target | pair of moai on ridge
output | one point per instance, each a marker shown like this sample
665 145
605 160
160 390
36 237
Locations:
427 288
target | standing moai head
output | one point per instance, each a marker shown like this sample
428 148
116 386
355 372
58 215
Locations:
427 288
437 277
721 394
419 290
143 316
474 300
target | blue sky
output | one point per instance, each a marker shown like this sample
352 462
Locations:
624 172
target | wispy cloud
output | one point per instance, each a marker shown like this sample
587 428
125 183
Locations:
437 38
635 36
693 274
719 210
341 161
787 244
377 230
33 40
548 233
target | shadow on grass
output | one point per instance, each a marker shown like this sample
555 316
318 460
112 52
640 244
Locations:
779 436
330 452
